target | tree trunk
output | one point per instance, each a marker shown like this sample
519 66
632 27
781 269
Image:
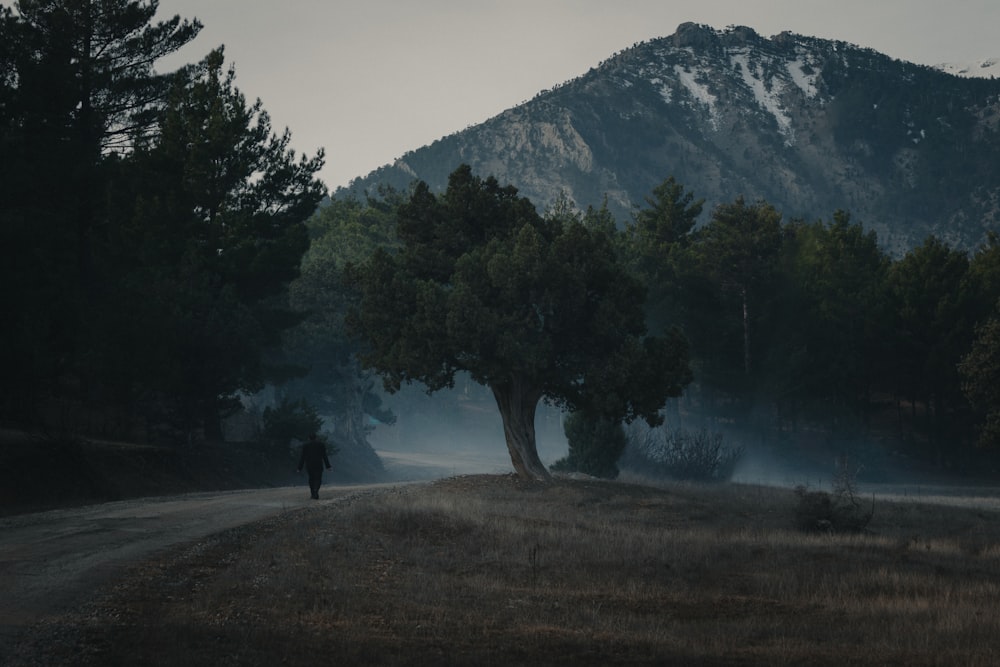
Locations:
518 400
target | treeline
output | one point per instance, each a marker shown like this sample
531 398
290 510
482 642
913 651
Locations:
162 254
150 225
798 325
798 330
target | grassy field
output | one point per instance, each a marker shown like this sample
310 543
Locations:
489 570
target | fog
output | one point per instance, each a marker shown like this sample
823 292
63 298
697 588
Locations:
459 432
455 432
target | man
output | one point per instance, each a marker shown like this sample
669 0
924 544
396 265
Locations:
314 458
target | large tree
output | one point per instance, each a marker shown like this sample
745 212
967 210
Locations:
532 307
830 332
934 320
88 65
657 247
739 250
980 371
78 85
208 231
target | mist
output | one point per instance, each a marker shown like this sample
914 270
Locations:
455 432
460 432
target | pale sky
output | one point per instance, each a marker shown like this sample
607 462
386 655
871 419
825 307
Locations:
369 80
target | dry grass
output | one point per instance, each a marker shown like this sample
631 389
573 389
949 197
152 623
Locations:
488 570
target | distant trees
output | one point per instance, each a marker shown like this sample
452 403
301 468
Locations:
738 249
658 243
534 308
933 322
794 323
797 329
980 370
342 232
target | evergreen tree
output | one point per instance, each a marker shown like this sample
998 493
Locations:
738 252
934 319
831 332
980 371
211 230
658 242
78 85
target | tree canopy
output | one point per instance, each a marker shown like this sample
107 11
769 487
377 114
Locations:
534 308
151 223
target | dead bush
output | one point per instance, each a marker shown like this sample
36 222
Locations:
678 454
837 511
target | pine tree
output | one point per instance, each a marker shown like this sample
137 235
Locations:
79 84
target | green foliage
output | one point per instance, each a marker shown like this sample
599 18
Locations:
658 249
668 221
736 255
291 420
933 327
813 323
980 371
209 221
78 87
829 334
595 444
531 307
342 232
159 283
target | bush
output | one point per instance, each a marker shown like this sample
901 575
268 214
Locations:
683 455
595 444
291 420
838 511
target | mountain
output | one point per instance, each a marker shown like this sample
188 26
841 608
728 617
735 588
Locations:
810 125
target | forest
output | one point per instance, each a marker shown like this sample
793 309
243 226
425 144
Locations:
165 253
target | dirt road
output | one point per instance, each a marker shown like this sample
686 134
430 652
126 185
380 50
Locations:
52 561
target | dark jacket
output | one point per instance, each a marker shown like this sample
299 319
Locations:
314 456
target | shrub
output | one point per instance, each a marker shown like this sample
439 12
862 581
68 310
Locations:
683 455
595 444
838 511
291 420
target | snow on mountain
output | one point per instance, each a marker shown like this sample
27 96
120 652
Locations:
809 125
987 68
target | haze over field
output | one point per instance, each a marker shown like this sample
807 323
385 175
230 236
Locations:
370 81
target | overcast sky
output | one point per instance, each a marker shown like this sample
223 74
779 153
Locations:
369 80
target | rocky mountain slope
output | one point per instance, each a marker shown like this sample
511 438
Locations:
810 125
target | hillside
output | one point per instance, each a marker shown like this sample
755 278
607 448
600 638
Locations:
810 125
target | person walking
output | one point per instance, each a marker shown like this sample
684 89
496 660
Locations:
314 458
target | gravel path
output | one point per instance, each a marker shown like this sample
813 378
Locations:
54 561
